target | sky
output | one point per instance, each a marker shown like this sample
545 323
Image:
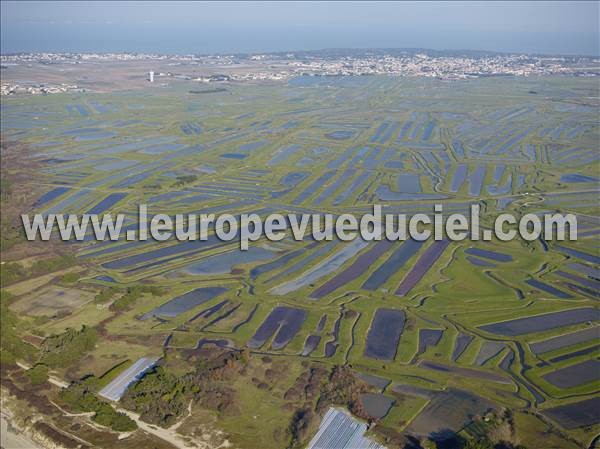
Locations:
553 27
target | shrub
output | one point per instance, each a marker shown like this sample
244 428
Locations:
38 374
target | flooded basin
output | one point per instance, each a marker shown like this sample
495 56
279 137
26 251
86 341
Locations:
487 254
376 405
284 320
185 302
358 267
396 261
428 338
539 323
576 414
462 341
51 196
488 350
575 375
565 340
422 266
547 288
384 334
107 203
224 263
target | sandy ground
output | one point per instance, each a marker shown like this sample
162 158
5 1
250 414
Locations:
10 438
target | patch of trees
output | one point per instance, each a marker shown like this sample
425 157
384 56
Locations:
343 388
162 396
80 398
499 432
38 374
70 278
301 426
12 272
12 347
67 348
185 179
132 294
485 443
336 387
106 294
308 385
11 232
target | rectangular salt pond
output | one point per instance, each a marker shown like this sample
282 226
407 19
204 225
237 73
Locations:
283 154
358 157
294 178
115 164
135 145
380 130
577 178
95 136
276 264
428 338
233 156
448 411
480 262
185 302
325 267
384 193
486 254
339 161
71 203
422 266
488 350
360 265
312 188
460 175
539 323
340 135
320 251
565 340
50 196
372 161
161 148
247 147
331 188
548 288
462 341
576 414
287 321
464 372
224 263
396 261
409 183
376 405
591 273
575 375
384 334
107 203
501 189
476 180
355 184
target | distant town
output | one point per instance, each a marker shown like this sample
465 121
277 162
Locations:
445 65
